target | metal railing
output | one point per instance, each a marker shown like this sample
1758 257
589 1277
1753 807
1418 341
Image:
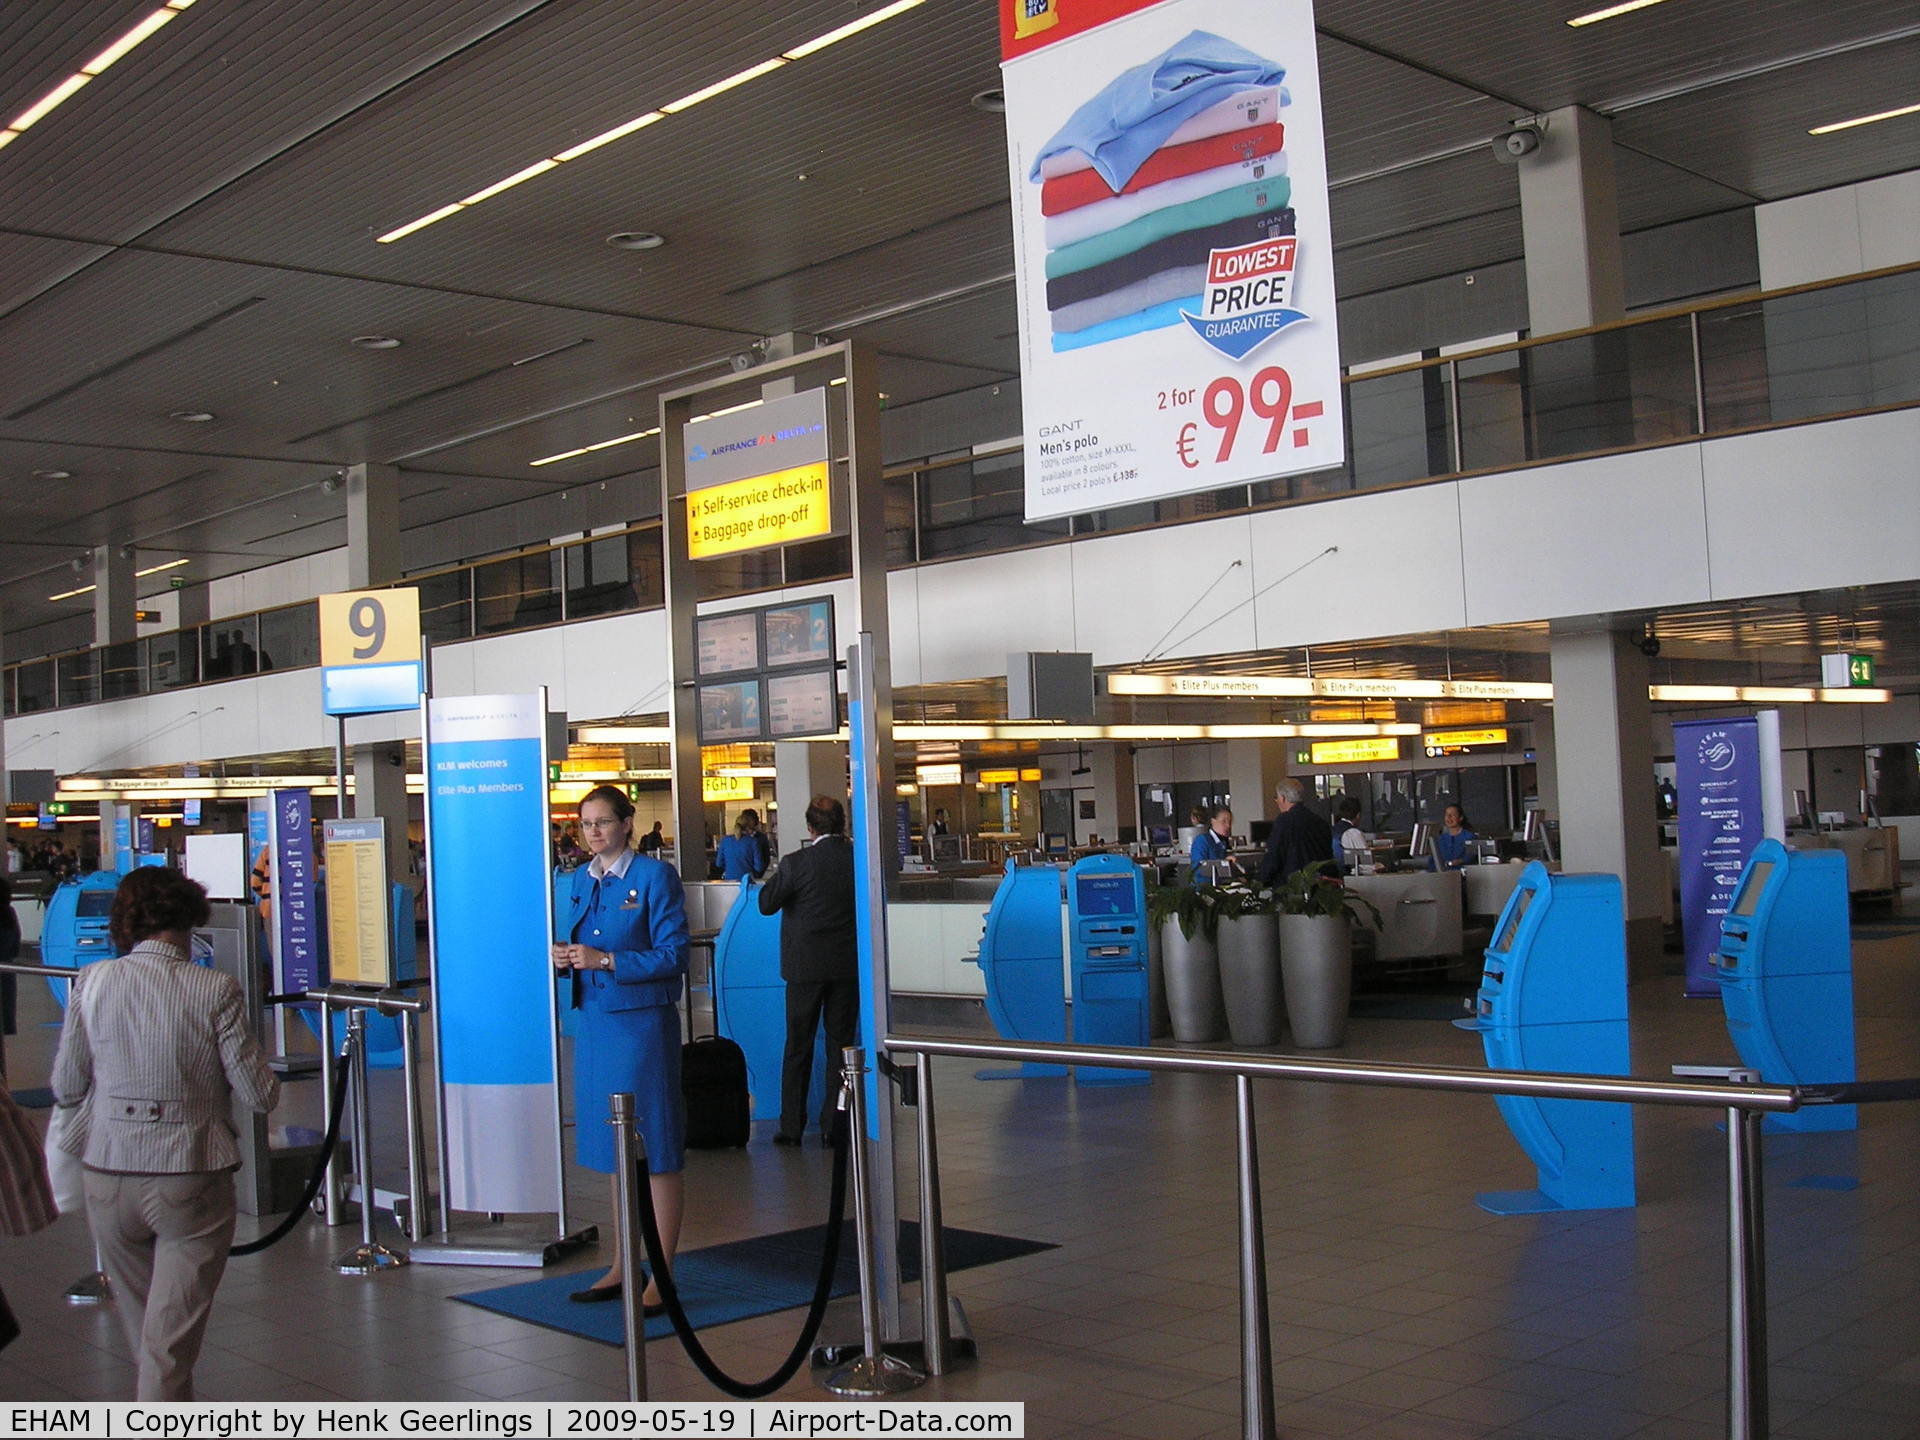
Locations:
1716 367
1746 1106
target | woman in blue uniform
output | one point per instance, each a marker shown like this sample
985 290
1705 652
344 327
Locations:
624 929
1210 846
1454 843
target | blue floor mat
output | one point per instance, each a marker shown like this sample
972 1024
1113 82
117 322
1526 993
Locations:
736 1281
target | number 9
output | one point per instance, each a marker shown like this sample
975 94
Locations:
367 618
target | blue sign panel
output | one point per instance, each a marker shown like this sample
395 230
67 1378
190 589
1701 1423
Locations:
1717 775
296 920
123 840
371 689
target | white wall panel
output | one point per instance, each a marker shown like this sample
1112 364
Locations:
1618 533
1815 506
903 626
1397 570
974 613
1128 589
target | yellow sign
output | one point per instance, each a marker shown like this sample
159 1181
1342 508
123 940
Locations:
999 777
370 627
726 787
1447 739
760 511
357 896
1340 752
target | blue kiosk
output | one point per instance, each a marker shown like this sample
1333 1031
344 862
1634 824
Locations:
1020 959
1107 933
75 930
750 1002
1785 965
1553 996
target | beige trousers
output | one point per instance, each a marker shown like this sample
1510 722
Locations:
164 1240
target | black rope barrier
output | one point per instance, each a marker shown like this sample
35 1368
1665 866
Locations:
319 1176
816 1309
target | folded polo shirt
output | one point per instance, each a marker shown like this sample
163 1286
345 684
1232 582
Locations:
1241 111
1252 199
1130 299
1073 226
1158 318
1085 187
1137 111
1189 247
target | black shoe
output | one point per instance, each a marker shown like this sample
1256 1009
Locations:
780 1137
596 1295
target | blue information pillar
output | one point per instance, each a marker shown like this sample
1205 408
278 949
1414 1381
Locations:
1785 964
1554 997
1107 942
1021 961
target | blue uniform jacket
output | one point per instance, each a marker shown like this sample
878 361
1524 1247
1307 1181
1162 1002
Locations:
1206 846
642 923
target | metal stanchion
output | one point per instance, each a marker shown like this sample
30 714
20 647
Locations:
94 1289
419 1221
1256 1348
629 1162
875 1373
369 1256
935 1342
1746 1274
329 1079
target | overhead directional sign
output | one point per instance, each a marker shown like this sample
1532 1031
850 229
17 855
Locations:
758 476
370 654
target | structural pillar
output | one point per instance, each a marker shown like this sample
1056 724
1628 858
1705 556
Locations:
1603 743
117 838
114 602
373 560
803 769
1253 767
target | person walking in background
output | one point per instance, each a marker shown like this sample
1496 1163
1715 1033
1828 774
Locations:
1299 837
159 1051
743 854
652 841
812 892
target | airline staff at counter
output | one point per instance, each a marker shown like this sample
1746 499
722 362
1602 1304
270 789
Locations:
1455 844
1210 845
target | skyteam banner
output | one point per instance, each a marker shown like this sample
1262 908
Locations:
487 883
1717 772
297 956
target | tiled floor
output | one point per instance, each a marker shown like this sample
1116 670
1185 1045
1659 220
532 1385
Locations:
1400 1311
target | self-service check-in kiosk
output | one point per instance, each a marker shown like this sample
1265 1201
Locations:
1107 942
1021 961
1553 996
75 930
750 1002
1785 965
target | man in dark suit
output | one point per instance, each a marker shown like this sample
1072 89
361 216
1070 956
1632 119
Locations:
1299 837
812 890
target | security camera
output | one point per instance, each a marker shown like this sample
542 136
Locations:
1649 644
1519 139
79 564
748 358
127 552
330 485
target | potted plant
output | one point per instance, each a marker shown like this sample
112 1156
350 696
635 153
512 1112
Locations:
1249 961
1317 911
1190 966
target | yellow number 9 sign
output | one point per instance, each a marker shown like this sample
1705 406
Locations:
370 627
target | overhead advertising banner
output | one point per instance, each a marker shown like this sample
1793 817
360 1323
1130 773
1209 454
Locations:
295 909
1717 769
493 995
758 476
1172 245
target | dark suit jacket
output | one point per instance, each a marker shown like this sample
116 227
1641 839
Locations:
1298 839
812 891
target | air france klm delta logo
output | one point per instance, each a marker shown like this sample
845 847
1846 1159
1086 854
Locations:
1249 294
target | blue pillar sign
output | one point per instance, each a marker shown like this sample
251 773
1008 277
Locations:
492 925
296 935
1717 773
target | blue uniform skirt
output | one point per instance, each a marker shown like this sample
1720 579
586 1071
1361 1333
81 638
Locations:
636 1051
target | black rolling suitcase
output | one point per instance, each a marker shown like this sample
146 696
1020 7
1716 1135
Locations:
713 1080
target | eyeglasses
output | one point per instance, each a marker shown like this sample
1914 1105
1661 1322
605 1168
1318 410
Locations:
598 824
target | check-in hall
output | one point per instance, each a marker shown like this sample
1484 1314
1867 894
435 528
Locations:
1345 575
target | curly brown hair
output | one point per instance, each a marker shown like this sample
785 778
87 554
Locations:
152 901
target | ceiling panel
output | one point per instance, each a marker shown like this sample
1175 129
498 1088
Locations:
44 41
1460 245
1653 192
1380 112
1418 200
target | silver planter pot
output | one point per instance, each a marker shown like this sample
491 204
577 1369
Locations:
1250 979
1316 965
1191 969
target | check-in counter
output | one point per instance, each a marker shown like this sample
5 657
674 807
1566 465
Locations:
1488 887
1873 856
1421 912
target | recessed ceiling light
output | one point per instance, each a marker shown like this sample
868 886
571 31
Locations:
53 474
1595 16
1865 120
190 417
636 240
993 101
375 342
654 116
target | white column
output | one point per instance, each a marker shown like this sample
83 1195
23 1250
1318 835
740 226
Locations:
803 769
1570 225
113 598
1603 739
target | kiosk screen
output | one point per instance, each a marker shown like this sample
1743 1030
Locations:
1521 900
1104 895
93 904
1748 900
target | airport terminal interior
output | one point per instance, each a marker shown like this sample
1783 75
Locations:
439 302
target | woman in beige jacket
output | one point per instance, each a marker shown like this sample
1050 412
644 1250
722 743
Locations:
159 1051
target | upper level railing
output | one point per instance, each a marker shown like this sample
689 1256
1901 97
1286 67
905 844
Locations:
1713 368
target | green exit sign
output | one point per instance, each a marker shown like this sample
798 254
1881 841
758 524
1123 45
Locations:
1860 670
1842 670
59 807
1303 757
553 773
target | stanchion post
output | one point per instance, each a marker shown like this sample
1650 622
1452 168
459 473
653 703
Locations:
330 1078
629 1155
875 1373
1746 1275
419 1222
935 1341
369 1256
1256 1349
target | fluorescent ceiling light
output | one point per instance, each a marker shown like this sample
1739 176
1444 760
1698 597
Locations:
67 88
70 594
601 445
639 122
170 565
1595 16
1865 120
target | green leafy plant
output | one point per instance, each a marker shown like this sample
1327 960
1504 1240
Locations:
1234 899
1313 891
1188 904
